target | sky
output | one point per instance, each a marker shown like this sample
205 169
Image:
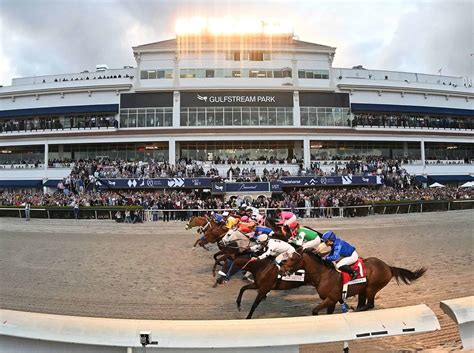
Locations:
41 37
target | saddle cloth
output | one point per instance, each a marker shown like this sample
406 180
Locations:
359 266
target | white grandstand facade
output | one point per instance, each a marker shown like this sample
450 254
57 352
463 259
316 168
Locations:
250 97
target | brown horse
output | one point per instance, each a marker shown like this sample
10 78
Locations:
328 281
265 274
210 230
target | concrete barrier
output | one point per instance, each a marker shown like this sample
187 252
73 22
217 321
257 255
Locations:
34 332
461 311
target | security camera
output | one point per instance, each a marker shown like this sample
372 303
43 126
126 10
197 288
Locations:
145 338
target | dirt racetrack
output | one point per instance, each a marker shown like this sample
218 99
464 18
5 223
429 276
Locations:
148 271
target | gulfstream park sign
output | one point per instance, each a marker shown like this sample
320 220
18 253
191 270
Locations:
237 99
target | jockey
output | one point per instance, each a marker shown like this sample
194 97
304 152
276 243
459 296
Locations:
259 230
246 225
231 222
217 217
260 218
252 212
342 252
306 237
286 217
278 248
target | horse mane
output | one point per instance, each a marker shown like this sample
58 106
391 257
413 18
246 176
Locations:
321 261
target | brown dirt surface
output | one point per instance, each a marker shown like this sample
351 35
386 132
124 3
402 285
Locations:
148 271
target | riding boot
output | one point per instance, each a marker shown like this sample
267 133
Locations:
349 270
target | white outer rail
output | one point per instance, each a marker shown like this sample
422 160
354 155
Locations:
461 311
261 335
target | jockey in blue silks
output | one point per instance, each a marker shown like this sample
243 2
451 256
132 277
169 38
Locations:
342 252
259 230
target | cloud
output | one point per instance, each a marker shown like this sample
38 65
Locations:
55 36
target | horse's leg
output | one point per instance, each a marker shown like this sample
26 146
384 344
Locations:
361 300
370 295
327 302
196 243
219 253
261 295
241 293
330 309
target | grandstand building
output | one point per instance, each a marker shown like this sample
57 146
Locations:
251 97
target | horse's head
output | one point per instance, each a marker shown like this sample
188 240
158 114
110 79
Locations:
294 263
195 222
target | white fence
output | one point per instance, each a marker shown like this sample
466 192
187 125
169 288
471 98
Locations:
34 332
461 311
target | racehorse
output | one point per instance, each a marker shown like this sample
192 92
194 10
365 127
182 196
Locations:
328 281
265 274
210 230
233 243
278 229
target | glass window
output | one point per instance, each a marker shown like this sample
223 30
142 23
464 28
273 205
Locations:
219 72
280 119
267 56
143 75
192 117
183 120
325 75
245 72
168 117
253 73
227 116
219 116
301 74
304 116
313 117
277 73
236 73
132 118
254 121
160 74
150 117
159 117
309 74
209 73
141 118
123 118
256 56
152 74
237 116
263 116
201 119
236 55
227 73
272 116
287 73
169 73
262 74
210 116
200 73
269 74
245 116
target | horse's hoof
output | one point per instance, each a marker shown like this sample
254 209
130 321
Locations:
315 313
239 308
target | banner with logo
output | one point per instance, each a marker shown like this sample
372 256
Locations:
331 180
157 183
236 99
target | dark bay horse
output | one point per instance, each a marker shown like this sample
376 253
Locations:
328 281
210 230
265 274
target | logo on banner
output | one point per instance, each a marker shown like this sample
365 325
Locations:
219 187
149 182
131 183
111 183
143 183
202 98
346 179
176 182
365 179
323 180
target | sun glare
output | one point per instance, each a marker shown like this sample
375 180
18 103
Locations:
228 25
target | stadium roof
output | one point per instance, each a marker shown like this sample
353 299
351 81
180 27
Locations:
201 42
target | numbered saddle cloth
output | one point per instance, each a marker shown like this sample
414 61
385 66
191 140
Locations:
359 266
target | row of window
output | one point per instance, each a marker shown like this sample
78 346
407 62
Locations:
324 116
318 74
234 73
146 117
156 74
236 116
255 55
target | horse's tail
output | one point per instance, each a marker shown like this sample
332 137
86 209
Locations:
407 276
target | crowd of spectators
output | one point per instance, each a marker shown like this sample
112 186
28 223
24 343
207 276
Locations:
52 123
412 121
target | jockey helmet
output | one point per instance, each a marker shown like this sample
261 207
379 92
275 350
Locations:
261 210
243 206
244 219
262 238
293 225
225 214
329 235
